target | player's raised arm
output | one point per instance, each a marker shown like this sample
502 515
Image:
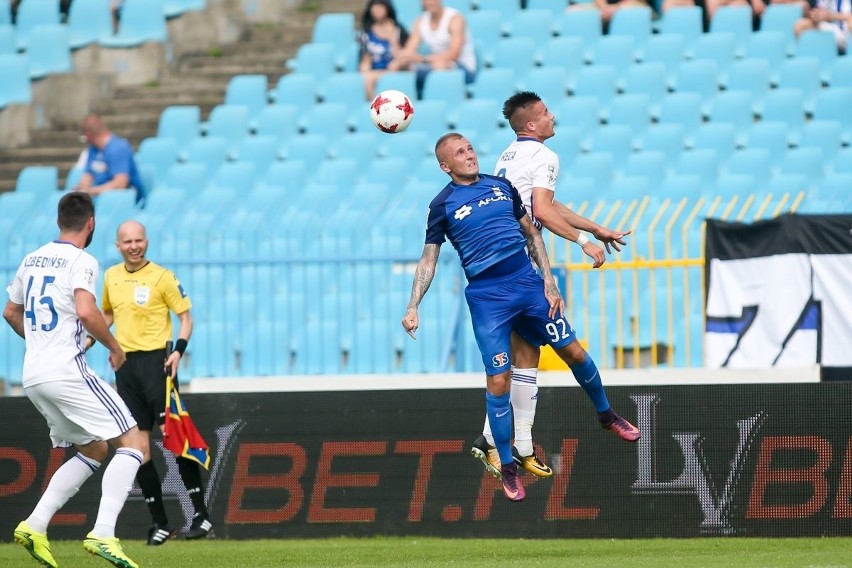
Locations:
606 236
423 275
535 245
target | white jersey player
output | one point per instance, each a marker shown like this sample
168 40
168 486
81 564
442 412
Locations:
533 169
52 306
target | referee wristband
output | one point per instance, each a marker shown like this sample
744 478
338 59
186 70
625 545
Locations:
180 346
582 240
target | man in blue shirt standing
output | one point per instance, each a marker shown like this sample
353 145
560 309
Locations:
109 164
484 219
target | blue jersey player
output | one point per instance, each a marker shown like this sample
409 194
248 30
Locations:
484 219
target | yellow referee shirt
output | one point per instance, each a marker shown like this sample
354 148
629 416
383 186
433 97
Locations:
140 302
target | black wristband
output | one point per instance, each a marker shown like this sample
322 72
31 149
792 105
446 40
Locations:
180 346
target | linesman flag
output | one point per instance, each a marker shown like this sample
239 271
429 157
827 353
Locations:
180 435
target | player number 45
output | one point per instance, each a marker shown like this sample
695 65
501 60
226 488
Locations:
44 300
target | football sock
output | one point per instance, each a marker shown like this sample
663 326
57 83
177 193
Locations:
117 482
190 473
524 396
64 484
587 375
500 416
149 482
486 431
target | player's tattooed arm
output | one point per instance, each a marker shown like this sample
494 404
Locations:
424 274
535 245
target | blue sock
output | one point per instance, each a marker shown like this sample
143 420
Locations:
587 375
500 417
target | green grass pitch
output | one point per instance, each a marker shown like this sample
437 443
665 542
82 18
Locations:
415 552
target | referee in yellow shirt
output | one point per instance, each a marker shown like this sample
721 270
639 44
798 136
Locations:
138 296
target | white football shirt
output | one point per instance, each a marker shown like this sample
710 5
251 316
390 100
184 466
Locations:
44 284
528 163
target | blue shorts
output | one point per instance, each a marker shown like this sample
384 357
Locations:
515 302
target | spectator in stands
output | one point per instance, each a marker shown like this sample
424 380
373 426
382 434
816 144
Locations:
443 30
608 8
382 37
711 6
830 16
109 164
115 8
64 6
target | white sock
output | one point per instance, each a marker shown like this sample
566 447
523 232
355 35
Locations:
486 431
64 484
524 397
117 482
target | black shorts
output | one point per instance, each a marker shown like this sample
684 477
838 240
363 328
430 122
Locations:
141 382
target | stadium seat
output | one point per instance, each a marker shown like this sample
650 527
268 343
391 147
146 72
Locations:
564 52
248 91
751 76
717 136
566 143
769 46
187 177
634 23
735 108
665 138
260 150
347 89
720 48
616 140
529 23
583 24
314 59
616 52
729 186
141 21
840 73
38 180
579 112
7 40
735 20
335 28
633 111
782 18
598 166
289 176
397 80
89 21
363 146
412 145
481 116
231 122
327 119
770 136
597 81
208 150
683 109
32 13
485 31
842 163
239 176
823 135
802 73
550 83
516 53
430 117
785 105
666 50
309 148
807 162
160 153
15 87
700 78
279 120
296 89
48 51
649 79
835 186
175 8
755 162
701 163
488 82
834 104
649 164
685 21
448 86
820 45
5 14
180 123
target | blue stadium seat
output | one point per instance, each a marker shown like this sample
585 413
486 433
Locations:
564 52
583 24
32 13
717 47
249 91
261 150
665 138
328 119
633 111
310 148
683 109
430 116
576 190
391 171
566 143
648 79
770 136
529 23
823 135
336 171
755 162
649 164
38 180
666 50
289 176
208 150
807 162
15 87
782 18
363 146
296 89
598 166
490 81
480 116
448 86
735 20
74 175
735 108
802 73
834 104
616 52
175 8
516 53
280 121
335 28
769 46
411 145
729 186
699 77
615 140
48 51
701 163
717 136
239 176
485 31
315 59
141 21
180 123
598 81
786 105
399 81
842 163
582 113
347 89
820 45
840 73
160 153
835 186
634 23
751 76
186 177
548 82
5 14
629 188
686 21
7 40
231 122
89 21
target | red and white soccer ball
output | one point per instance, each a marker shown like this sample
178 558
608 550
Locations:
391 111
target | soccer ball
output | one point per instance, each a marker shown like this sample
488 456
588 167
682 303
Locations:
391 111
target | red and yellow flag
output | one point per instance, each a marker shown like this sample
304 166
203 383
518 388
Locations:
180 435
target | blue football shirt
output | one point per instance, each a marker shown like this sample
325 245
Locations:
480 221
116 158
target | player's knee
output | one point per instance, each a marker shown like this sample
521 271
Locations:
98 451
499 384
573 353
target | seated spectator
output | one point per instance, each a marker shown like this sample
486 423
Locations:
109 162
444 32
711 6
829 16
382 37
608 8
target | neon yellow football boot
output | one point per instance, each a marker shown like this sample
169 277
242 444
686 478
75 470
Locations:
36 544
109 549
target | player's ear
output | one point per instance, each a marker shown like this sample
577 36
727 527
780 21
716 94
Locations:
444 167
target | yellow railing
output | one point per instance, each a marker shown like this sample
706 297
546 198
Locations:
646 271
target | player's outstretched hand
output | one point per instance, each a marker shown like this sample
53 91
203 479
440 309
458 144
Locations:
596 253
554 298
611 238
411 321
117 359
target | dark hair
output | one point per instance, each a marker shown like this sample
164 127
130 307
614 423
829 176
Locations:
367 19
74 211
518 101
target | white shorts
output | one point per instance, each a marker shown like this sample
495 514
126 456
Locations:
841 35
80 411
